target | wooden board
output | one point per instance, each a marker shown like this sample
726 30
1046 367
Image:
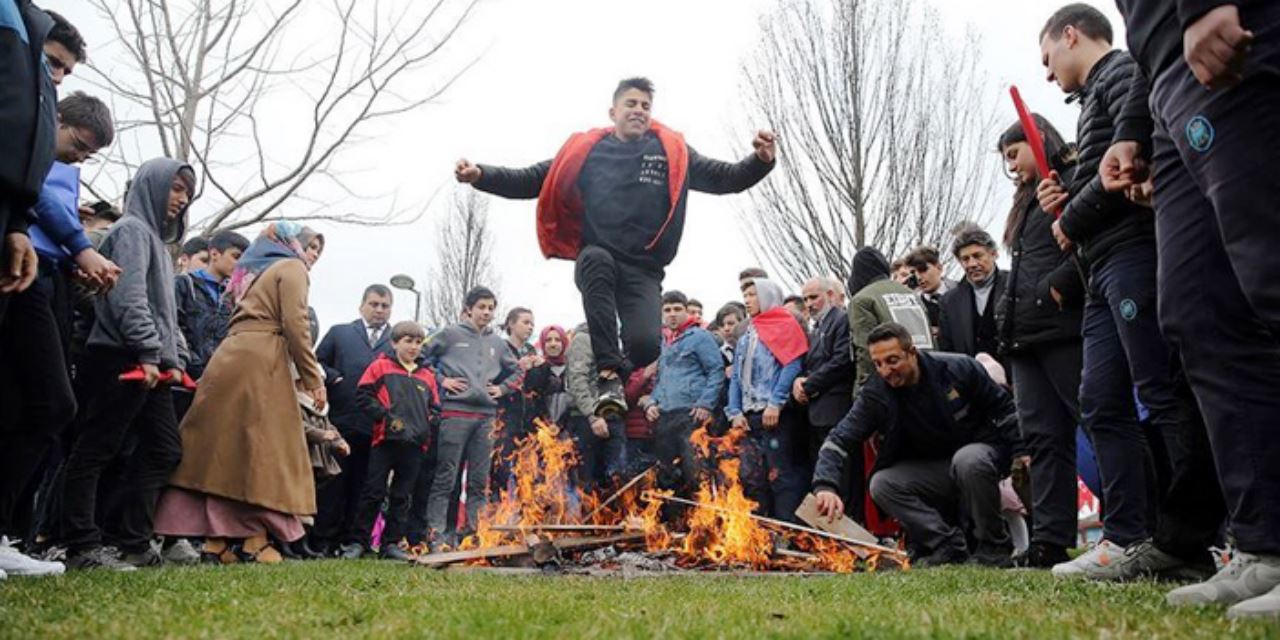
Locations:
845 526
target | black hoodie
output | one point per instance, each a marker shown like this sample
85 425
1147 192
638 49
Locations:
869 265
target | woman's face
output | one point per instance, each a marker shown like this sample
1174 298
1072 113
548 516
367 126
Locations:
522 328
1021 163
553 346
312 251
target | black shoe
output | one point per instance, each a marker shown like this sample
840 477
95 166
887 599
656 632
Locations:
98 558
394 552
302 549
612 401
942 557
998 557
1041 555
147 557
351 551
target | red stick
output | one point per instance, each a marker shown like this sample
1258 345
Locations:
136 375
1032 131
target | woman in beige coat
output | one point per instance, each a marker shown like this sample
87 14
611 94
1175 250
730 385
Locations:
246 474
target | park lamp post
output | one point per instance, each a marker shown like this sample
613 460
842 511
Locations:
402 281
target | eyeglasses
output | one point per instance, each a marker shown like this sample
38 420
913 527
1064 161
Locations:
82 147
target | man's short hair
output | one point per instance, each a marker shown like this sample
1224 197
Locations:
694 302
224 241
675 297
727 310
103 210
380 290
638 82
793 299
921 257
82 110
194 246
968 234
476 294
890 331
751 273
66 34
1085 18
898 263
407 329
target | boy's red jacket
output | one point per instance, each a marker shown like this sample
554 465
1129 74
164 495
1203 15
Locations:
403 405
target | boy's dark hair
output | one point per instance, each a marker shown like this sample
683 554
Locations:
898 263
968 234
82 110
921 257
380 290
675 297
751 273
793 299
639 82
224 241
476 294
727 310
66 34
407 329
105 210
1085 18
891 331
195 245
513 315
694 302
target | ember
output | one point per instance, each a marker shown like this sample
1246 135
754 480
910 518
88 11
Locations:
539 520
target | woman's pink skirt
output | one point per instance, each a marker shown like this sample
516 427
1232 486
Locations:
184 513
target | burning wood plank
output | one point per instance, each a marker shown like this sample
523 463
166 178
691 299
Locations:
845 526
485 553
553 528
617 494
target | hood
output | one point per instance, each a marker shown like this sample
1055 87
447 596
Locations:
869 265
769 294
148 197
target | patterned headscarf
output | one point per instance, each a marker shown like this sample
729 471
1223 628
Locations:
279 241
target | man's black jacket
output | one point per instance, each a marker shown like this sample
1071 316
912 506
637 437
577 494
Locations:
979 411
1096 220
28 112
958 329
828 370
345 354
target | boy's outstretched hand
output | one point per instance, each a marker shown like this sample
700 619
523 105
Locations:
766 145
466 171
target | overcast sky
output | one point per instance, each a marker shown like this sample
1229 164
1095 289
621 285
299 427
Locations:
547 68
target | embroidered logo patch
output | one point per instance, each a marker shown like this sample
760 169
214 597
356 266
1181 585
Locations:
1128 309
1200 133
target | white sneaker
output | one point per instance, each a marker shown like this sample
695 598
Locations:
14 562
3 575
1246 576
1102 562
1266 605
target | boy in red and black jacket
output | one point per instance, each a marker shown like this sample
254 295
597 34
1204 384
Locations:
402 398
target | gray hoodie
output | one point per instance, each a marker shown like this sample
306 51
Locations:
139 315
481 358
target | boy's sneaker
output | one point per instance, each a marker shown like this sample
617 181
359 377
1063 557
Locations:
3 575
16 563
394 552
1266 605
351 551
1102 562
1040 555
612 401
1246 576
146 558
180 552
99 558
1145 560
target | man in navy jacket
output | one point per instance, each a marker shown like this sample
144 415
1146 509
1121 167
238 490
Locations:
345 352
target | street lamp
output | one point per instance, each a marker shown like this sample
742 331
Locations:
402 281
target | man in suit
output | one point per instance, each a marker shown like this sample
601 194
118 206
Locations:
346 351
968 319
826 386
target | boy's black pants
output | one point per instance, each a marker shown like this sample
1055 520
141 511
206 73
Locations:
402 461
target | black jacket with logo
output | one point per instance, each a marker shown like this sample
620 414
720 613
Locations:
403 405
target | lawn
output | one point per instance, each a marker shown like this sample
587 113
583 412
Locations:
369 598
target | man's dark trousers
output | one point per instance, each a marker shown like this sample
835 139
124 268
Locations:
121 408
612 290
402 461
1215 154
677 460
1123 349
768 470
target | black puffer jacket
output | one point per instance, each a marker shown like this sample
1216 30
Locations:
1094 219
1027 314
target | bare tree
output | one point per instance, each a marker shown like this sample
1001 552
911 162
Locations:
885 127
193 75
464 258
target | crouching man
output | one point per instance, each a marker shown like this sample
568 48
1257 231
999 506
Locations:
947 432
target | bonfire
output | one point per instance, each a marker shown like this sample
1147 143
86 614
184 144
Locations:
544 519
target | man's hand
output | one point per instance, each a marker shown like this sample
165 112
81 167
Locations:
1123 166
770 417
1051 194
1057 297
651 414
1142 194
20 272
740 422
466 172
700 415
651 370
797 391
150 375
830 506
343 448
1064 242
494 391
1215 47
599 427
766 145
454 385
320 396
100 271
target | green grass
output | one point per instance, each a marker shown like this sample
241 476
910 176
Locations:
378 599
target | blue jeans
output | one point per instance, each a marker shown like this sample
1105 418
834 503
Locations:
1123 349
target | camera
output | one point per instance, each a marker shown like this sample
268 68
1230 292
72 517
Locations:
913 281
